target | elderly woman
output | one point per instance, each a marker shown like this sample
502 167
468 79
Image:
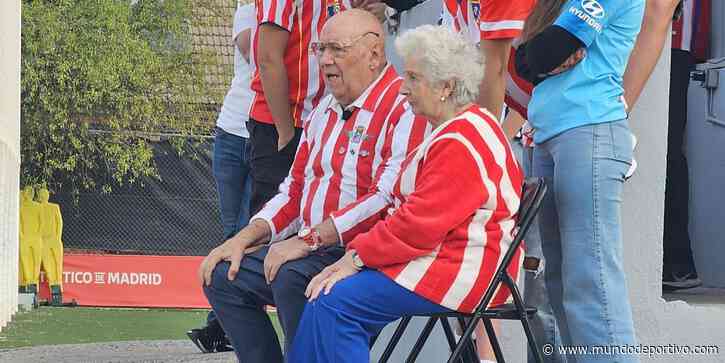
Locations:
450 220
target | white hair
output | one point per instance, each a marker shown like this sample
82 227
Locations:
444 56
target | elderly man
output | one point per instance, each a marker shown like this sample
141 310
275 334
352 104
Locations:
350 152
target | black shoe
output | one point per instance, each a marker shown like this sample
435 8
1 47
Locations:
674 282
209 343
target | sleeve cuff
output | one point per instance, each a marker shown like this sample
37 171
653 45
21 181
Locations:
333 216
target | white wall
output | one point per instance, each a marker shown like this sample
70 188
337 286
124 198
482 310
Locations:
9 155
657 322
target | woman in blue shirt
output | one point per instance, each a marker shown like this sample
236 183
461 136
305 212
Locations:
584 149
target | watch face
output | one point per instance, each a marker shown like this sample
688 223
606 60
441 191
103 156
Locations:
303 232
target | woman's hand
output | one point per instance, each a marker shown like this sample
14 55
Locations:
328 277
570 62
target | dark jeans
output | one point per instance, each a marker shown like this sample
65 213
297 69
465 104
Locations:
269 166
231 170
239 304
676 245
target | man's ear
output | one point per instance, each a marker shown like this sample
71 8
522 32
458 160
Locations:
377 54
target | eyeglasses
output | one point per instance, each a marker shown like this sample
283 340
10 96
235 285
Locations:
337 49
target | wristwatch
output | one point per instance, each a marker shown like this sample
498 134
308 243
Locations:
311 238
357 261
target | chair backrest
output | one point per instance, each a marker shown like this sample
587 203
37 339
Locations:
532 195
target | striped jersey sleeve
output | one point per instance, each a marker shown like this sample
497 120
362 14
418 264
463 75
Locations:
503 19
405 132
278 12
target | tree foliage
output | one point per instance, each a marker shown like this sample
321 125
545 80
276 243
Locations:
99 77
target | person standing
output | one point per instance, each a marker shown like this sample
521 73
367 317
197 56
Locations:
230 162
584 150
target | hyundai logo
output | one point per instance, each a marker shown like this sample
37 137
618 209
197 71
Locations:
593 8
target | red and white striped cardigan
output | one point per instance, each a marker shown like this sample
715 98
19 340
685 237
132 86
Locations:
452 216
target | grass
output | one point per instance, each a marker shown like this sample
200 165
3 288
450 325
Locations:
50 325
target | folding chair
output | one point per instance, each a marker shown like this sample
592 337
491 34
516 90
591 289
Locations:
463 350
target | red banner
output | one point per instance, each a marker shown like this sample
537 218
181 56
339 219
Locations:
133 281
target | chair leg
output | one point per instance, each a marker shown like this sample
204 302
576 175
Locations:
494 340
465 349
418 346
450 337
521 309
395 339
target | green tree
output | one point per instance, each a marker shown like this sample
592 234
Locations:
99 77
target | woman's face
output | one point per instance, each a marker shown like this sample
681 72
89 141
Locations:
423 97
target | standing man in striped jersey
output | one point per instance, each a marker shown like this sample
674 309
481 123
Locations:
287 84
349 155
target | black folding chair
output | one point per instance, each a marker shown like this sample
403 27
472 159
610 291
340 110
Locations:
463 350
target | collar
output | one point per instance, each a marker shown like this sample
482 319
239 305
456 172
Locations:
368 99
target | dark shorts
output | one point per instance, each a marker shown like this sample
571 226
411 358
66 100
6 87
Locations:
269 166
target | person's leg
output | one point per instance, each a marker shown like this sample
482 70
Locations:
229 174
246 169
543 323
548 225
590 163
678 267
239 307
269 165
288 288
338 327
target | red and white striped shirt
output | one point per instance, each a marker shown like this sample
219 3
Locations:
303 19
453 214
346 169
486 19
517 96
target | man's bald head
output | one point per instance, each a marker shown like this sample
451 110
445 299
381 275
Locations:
354 22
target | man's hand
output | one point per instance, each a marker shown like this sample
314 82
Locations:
328 277
232 250
286 134
290 249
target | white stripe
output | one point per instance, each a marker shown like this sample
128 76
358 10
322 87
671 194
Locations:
688 9
514 91
502 25
416 269
473 255
348 191
500 153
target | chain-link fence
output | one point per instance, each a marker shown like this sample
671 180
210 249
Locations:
178 213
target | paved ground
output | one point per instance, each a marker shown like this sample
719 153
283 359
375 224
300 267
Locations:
116 352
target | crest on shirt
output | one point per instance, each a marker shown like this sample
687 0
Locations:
476 7
333 7
358 135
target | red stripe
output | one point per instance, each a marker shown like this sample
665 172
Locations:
289 5
317 166
334 187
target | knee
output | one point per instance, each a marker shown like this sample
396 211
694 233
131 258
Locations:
288 282
219 280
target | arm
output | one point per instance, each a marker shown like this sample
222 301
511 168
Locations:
494 82
404 132
273 73
648 47
418 226
512 124
242 42
282 213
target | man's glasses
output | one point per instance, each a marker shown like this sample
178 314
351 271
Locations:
337 49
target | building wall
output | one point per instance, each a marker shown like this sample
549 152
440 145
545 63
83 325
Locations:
9 155
657 322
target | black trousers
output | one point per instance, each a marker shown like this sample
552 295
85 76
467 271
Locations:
269 166
677 253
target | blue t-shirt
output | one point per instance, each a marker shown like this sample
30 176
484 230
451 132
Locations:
591 92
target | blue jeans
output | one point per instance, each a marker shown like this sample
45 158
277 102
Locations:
580 224
543 323
338 327
231 170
